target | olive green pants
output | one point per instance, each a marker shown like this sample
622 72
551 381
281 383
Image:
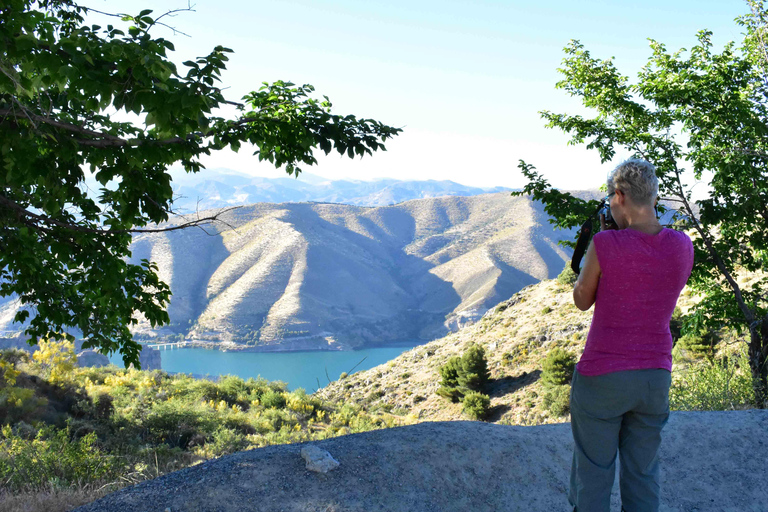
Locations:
625 412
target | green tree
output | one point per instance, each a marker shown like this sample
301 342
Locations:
694 114
558 367
461 375
473 374
449 384
63 87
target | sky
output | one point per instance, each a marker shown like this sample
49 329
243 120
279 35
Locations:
465 80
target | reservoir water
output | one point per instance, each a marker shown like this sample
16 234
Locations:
308 370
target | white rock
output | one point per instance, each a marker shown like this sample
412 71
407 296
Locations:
318 459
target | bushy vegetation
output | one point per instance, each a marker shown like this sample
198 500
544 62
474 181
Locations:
467 376
556 376
558 367
713 385
476 405
463 374
111 427
702 344
567 277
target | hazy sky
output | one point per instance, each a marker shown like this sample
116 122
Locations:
464 79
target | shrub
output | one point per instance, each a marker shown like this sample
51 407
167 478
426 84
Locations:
103 406
223 442
676 323
546 310
174 423
556 399
232 389
476 405
57 358
450 372
52 458
14 356
699 345
16 403
717 385
301 404
567 276
450 379
558 367
273 399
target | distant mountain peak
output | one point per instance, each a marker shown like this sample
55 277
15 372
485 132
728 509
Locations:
216 188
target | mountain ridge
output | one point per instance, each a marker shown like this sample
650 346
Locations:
328 276
218 188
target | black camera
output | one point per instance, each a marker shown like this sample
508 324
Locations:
586 232
610 223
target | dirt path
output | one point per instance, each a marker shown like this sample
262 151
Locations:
710 461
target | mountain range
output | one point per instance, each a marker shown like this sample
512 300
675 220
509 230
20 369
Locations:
216 188
299 276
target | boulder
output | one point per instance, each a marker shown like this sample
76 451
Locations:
318 460
150 358
91 358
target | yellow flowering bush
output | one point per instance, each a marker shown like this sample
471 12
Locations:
57 358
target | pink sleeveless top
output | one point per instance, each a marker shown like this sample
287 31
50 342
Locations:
641 279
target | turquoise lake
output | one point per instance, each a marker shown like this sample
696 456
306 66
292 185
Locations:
297 369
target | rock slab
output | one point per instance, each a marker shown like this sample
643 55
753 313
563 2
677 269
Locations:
91 358
710 461
318 460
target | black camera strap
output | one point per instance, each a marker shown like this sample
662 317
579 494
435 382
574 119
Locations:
585 235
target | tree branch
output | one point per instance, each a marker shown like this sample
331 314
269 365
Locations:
34 221
107 140
748 314
156 21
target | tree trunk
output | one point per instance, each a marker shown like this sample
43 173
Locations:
758 362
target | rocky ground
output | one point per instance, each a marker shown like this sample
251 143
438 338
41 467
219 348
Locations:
711 461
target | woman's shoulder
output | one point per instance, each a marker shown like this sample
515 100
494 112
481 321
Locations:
678 236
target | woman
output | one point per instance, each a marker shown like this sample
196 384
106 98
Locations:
620 389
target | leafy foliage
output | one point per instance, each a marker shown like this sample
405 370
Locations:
695 115
52 457
556 376
57 357
698 344
63 87
474 374
450 379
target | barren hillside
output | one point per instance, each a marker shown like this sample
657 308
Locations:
317 275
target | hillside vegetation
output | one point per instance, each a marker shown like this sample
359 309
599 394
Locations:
517 336
69 435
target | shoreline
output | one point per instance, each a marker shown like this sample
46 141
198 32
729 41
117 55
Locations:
280 348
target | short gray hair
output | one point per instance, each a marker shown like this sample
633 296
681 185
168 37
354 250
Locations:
637 179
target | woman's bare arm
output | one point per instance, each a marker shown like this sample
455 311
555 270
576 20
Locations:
585 289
